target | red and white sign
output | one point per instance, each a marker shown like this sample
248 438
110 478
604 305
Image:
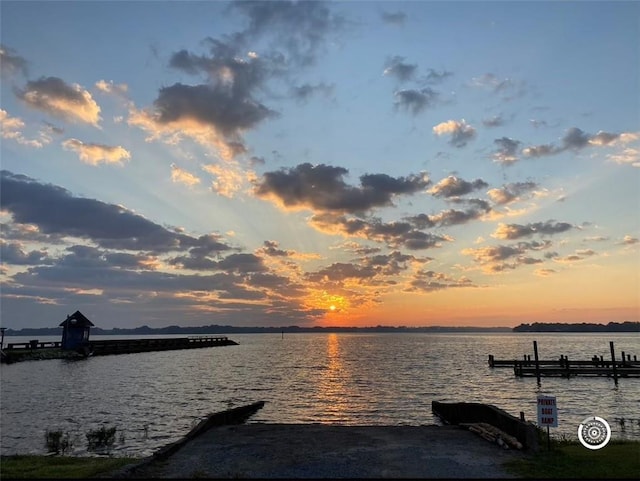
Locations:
547 411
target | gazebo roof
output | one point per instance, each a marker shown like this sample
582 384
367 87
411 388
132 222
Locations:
77 319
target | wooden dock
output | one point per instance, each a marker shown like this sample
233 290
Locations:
35 350
625 367
125 346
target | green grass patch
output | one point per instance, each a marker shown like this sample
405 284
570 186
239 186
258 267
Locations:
618 459
59 466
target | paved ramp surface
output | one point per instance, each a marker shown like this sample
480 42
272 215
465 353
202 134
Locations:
333 451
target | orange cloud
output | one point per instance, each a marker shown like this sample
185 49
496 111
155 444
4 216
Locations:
94 154
181 176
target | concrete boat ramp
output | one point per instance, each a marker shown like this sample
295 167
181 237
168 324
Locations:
298 451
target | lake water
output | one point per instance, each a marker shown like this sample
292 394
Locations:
382 379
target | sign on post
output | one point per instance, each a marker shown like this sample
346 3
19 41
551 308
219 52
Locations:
547 411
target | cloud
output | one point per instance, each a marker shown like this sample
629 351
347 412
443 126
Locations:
11 63
340 271
219 112
629 156
394 18
415 101
431 281
460 132
540 150
517 231
625 153
507 151
94 154
111 88
12 127
579 255
13 253
544 272
321 187
55 211
211 115
401 71
393 263
455 217
229 178
495 121
393 234
298 29
493 258
453 186
304 92
67 101
510 192
576 139
507 87
270 248
435 77
181 176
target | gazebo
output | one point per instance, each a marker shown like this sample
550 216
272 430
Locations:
75 331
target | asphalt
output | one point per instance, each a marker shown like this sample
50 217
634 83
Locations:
298 451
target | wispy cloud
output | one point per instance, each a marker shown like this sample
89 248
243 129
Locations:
181 176
517 231
94 154
11 63
12 128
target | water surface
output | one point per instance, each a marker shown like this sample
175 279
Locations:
154 398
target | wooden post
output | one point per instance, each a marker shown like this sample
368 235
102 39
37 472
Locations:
522 416
535 354
548 439
623 358
613 363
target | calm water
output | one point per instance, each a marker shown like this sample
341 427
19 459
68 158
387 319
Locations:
155 398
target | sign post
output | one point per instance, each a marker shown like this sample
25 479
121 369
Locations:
547 414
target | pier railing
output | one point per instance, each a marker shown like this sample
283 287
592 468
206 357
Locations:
35 344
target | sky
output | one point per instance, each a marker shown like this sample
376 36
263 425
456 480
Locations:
319 164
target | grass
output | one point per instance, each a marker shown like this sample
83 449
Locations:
32 467
618 459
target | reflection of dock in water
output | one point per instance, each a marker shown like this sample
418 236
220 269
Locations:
565 367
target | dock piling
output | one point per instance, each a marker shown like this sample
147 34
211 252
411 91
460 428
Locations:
535 353
564 367
613 363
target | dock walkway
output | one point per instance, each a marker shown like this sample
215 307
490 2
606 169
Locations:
35 350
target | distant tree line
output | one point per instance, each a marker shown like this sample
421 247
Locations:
626 326
217 329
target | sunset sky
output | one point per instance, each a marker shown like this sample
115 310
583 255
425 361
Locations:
308 163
